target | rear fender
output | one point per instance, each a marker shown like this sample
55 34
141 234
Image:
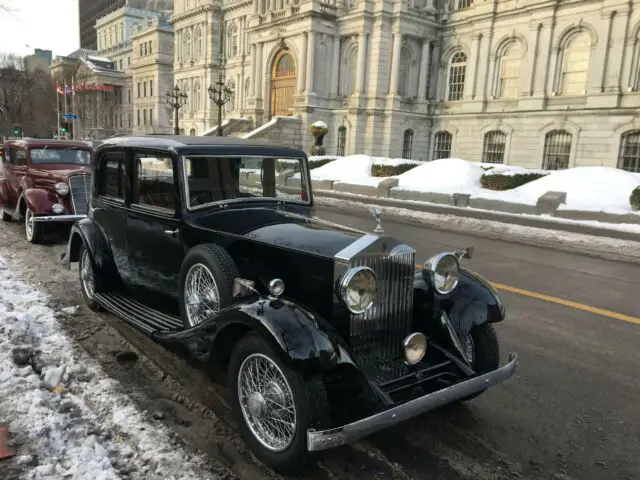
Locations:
301 339
38 200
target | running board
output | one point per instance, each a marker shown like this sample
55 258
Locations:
137 314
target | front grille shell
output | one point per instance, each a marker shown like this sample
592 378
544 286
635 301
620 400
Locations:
80 191
376 336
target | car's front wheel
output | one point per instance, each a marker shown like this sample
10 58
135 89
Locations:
34 231
86 272
274 405
482 351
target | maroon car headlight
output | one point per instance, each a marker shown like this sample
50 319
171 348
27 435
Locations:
62 189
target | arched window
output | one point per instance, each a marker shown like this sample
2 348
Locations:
192 132
197 97
407 143
457 76
247 91
233 41
510 62
232 96
494 147
442 145
575 64
187 91
629 154
197 43
342 141
187 45
557 150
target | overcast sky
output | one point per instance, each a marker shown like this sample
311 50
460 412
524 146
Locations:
46 24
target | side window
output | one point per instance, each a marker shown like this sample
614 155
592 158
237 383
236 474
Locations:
21 157
154 184
112 179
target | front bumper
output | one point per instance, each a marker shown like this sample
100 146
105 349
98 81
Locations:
334 437
58 218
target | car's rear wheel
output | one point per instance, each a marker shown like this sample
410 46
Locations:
274 405
34 231
88 283
206 283
482 351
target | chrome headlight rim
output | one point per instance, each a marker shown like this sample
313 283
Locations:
343 287
431 265
62 189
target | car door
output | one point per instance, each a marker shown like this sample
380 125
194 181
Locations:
111 182
154 242
18 171
7 191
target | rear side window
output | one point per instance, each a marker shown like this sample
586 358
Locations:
154 184
112 180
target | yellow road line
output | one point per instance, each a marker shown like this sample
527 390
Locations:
566 303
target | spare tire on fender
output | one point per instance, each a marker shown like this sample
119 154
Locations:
207 277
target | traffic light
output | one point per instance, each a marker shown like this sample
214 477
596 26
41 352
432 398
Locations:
64 128
17 131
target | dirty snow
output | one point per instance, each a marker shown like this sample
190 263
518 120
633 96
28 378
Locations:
67 417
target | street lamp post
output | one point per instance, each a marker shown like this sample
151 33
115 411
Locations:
177 100
220 94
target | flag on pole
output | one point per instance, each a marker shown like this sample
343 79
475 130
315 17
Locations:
59 89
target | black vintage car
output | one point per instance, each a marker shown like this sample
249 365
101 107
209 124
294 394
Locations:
329 334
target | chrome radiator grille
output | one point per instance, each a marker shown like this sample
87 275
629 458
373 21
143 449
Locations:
80 187
376 335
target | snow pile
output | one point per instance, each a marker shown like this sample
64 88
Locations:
344 169
587 188
447 175
68 418
320 124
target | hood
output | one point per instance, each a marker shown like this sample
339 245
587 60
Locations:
60 171
282 229
311 237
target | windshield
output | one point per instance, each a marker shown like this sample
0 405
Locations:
59 155
217 179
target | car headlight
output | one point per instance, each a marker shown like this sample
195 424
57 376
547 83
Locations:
358 289
443 271
62 188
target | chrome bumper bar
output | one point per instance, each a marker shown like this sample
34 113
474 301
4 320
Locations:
58 218
334 437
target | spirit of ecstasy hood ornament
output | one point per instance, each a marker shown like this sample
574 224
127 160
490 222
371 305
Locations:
376 211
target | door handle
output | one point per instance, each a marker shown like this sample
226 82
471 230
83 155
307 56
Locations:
172 233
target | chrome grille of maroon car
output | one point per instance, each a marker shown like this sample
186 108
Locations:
80 187
376 336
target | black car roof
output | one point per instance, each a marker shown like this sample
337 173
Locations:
193 142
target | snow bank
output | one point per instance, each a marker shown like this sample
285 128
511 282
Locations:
68 417
447 175
344 169
588 188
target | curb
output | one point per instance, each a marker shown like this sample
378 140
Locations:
525 221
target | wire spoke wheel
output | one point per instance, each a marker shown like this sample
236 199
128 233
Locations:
28 224
266 402
201 295
470 349
87 276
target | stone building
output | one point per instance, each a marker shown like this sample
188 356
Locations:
152 75
538 83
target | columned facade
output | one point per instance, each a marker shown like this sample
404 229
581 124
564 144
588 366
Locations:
545 83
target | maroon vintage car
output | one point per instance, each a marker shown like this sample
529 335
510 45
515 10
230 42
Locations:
44 181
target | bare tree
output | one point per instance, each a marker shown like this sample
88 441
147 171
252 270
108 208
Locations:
26 98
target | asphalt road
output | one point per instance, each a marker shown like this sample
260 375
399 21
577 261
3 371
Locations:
573 410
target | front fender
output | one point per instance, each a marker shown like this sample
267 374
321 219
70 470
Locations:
85 232
302 339
475 301
39 200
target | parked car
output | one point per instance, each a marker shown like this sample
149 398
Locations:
210 245
44 181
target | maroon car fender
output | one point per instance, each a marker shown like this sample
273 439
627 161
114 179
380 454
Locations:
38 200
